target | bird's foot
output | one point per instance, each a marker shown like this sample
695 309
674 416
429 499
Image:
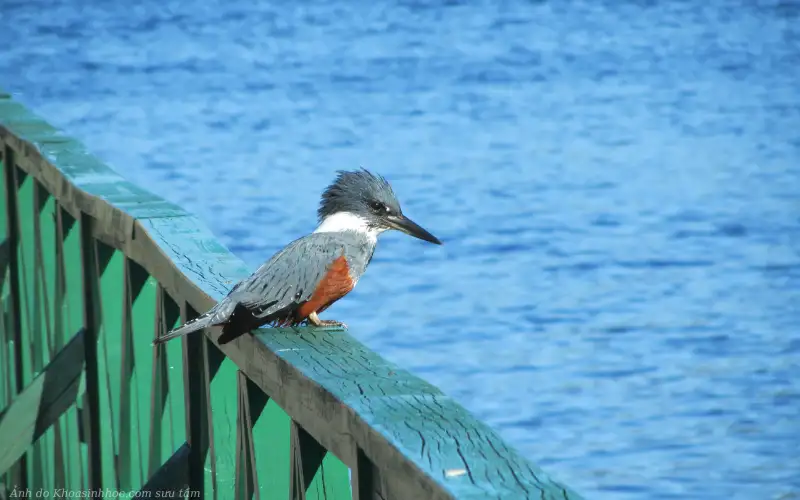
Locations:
324 323
331 323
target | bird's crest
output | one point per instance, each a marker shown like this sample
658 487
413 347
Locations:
352 190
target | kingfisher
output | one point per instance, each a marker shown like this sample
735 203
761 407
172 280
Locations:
311 273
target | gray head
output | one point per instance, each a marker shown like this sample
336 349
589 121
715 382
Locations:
370 198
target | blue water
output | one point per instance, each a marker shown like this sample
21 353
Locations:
617 185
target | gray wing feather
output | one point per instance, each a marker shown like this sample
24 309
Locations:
286 280
290 277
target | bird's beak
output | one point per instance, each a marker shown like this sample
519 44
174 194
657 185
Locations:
408 226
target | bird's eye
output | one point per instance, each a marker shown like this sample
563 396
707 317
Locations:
378 206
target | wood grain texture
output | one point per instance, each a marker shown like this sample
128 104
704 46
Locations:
350 400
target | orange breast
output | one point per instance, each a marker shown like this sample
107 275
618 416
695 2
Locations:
336 284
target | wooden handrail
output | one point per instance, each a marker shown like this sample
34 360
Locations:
400 436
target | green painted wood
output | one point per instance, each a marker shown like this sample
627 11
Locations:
7 389
62 378
130 463
3 221
52 458
272 432
70 309
17 475
143 319
272 459
41 403
171 479
447 468
34 340
212 362
196 404
414 441
173 418
46 272
134 281
31 360
460 453
331 480
72 300
158 396
224 408
109 281
167 431
366 481
89 410
7 358
17 426
307 455
251 402
7 366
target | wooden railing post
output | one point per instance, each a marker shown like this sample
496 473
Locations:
196 404
12 182
91 409
366 480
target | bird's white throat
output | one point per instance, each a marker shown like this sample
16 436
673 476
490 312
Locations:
348 221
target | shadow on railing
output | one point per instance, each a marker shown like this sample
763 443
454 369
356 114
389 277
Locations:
94 267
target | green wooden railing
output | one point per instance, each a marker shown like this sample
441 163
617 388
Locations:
94 267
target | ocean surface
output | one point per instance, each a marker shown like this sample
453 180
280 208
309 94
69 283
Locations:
617 185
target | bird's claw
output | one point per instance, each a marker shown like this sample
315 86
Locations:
330 324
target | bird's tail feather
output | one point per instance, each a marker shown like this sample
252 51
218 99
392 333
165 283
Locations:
198 323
